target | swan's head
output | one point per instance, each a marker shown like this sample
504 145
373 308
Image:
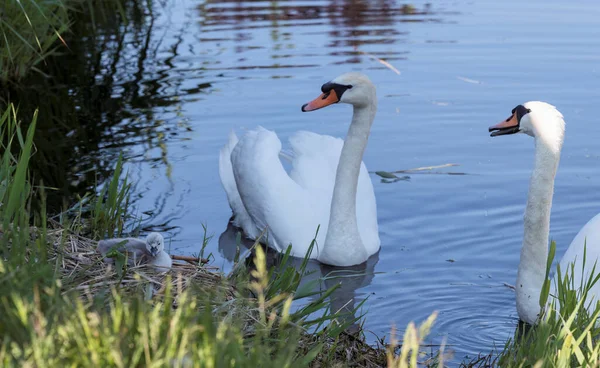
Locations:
155 244
351 88
534 118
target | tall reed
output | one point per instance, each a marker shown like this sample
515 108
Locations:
18 242
30 30
111 204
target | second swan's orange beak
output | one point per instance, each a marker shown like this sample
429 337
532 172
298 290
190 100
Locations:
508 126
323 100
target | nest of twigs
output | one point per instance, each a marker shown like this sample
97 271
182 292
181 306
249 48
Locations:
84 270
349 350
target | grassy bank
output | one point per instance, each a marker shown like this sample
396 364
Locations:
61 305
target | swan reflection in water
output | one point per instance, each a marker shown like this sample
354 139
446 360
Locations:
344 299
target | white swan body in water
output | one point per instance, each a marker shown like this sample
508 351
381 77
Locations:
151 251
328 184
546 124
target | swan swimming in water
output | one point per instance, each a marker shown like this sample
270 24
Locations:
328 184
546 125
149 252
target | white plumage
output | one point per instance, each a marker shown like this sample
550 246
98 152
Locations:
291 206
546 124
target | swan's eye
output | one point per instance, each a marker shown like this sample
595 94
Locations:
339 89
521 111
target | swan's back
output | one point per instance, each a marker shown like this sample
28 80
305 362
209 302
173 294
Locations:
588 238
272 199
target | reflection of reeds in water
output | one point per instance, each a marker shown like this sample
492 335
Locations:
317 277
98 98
350 13
353 23
118 84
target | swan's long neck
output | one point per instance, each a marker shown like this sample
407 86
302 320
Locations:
534 253
343 237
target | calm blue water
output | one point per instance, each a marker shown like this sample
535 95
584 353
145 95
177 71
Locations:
464 65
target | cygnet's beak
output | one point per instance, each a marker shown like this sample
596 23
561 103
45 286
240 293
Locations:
154 251
325 99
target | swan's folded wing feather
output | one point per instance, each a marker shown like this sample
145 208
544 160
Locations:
241 218
273 200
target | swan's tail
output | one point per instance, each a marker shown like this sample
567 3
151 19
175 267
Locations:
241 218
226 170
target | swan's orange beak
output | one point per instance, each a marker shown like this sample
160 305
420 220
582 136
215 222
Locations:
508 126
323 100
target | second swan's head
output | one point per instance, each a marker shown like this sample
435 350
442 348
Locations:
352 88
534 118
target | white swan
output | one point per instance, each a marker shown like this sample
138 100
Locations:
328 184
546 124
149 252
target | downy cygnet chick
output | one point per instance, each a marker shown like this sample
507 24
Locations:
149 252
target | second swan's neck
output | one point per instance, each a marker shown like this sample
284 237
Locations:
343 245
534 253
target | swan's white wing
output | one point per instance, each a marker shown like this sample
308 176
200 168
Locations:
270 196
315 160
588 236
314 167
240 215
